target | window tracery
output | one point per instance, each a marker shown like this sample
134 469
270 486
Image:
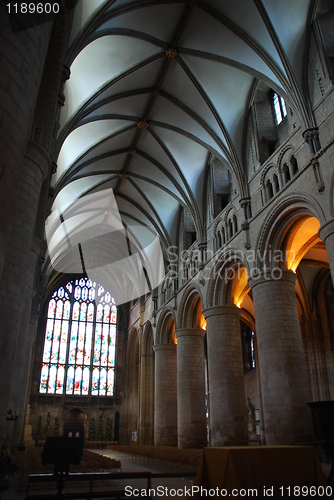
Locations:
80 337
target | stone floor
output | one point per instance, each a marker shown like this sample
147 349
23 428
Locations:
129 463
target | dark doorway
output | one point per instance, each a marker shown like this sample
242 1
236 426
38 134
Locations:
74 424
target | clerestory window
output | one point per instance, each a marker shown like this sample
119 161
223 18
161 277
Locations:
279 108
80 337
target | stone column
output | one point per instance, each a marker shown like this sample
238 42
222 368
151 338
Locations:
326 233
227 399
146 407
191 412
18 280
165 400
22 57
287 418
23 355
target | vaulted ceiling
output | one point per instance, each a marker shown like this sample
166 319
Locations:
157 86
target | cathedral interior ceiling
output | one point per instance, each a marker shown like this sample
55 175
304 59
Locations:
158 87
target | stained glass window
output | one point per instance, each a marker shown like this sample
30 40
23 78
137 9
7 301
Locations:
252 350
80 337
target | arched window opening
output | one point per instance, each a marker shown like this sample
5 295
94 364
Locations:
230 228
80 337
286 173
220 239
270 192
279 108
222 186
294 165
235 224
275 183
248 345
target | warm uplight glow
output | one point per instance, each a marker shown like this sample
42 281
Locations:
240 286
203 322
303 236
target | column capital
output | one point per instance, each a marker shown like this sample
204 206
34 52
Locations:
189 332
221 310
272 275
164 347
326 230
310 133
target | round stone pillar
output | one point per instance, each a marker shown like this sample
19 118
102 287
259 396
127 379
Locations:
227 399
165 400
22 57
326 233
287 418
17 285
191 411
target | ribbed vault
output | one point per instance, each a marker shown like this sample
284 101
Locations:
158 86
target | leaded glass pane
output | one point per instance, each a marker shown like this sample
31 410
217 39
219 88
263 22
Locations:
73 343
106 317
52 308
76 309
83 312
103 382
97 346
81 342
113 314
78 377
44 379
60 380
85 380
99 313
90 313
67 309
52 379
70 380
59 310
63 342
110 383
88 344
47 349
95 382
77 293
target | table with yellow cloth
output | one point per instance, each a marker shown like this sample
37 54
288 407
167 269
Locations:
264 468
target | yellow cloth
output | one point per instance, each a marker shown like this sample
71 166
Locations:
260 467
